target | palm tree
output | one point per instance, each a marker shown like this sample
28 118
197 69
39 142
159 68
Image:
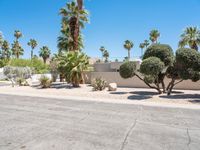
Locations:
17 34
6 50
128 45
142 46
74 18
102 49
1 39
17 50
72 65
146 43
190 37
33 44
154 35
106 55
44 53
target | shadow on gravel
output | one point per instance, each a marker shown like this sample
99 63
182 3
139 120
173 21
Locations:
195 101
141 95
147 93
118 93
182 96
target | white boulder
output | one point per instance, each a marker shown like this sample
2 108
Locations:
112 87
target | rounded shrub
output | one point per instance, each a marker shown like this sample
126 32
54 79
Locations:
188 58
149 79
152 66
127 69
162 51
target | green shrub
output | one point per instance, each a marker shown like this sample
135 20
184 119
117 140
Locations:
162 51
45 82
149 79
35 64
3 63
99 84
22 82
17 74
39 66
188 58
127 69
152 66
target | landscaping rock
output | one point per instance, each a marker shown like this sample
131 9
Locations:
29 82
112 87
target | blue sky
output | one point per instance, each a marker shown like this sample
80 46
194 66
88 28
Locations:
111 22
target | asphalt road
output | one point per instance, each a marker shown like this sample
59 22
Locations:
28 123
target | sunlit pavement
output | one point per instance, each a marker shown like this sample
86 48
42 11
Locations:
31 123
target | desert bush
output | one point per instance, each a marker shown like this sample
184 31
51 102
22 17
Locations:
35 64
22 82
188 58
152 66
186 66
127 69
162 51
159 62
45 82
99 84
3 63
14 73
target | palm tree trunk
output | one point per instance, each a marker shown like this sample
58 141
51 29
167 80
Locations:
141 52
31 53
129 55
17 56
80 4
194 46
45 60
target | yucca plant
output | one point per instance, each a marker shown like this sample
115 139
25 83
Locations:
45 82
99 84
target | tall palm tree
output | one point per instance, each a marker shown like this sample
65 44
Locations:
17 34
128 45
17 50
190 37
142 46
106 55
44 53
75 17
154 35
146 43
33 44
6 50
1 39
102 49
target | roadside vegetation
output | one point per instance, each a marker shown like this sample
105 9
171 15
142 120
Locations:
159 60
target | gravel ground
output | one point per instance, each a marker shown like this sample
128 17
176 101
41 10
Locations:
122 94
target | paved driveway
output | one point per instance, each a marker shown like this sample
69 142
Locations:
53 124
